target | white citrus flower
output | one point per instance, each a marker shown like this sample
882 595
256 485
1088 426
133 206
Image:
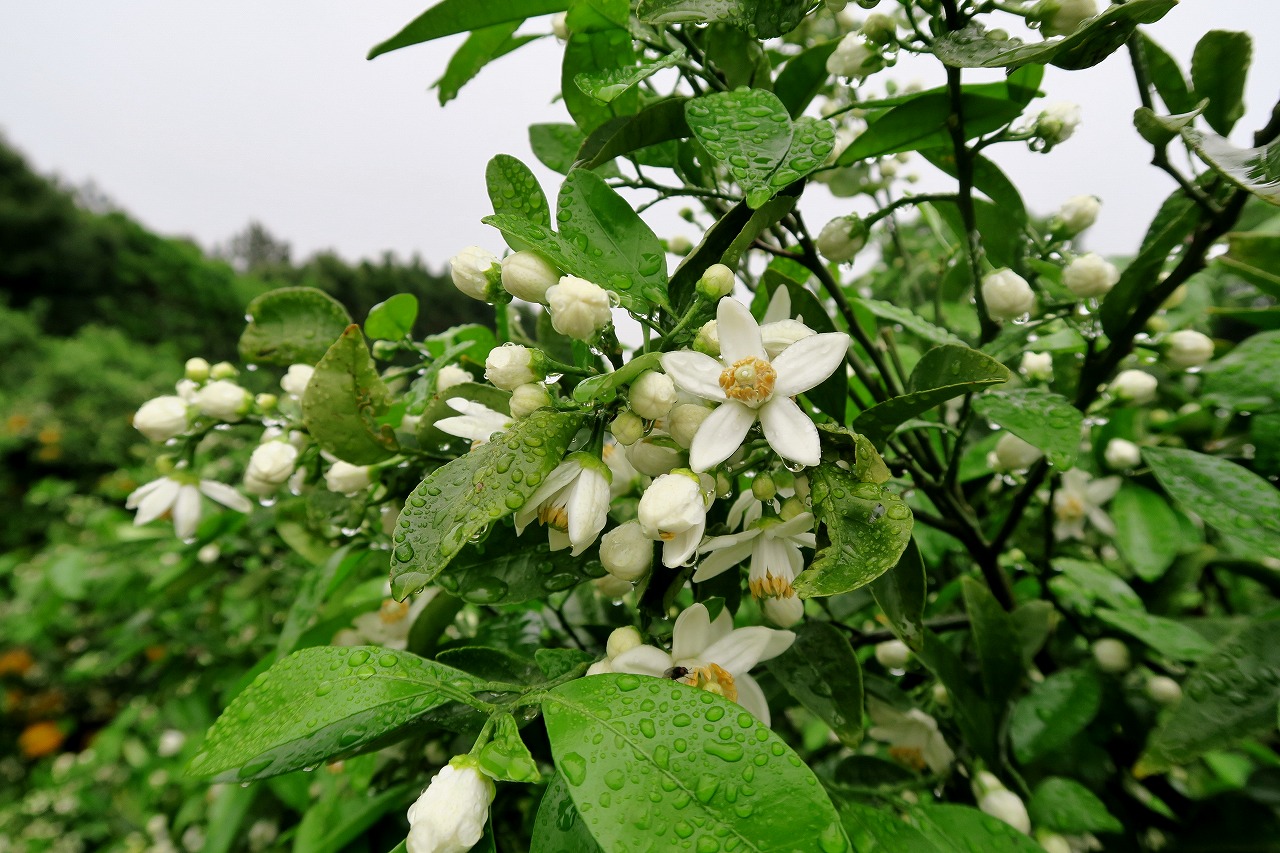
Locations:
451 375
1122 454
1007 295
1003 804
475 421
842 238
783 612
161 418
579 308
652 395
528 398
1014 454
1188 348
626 552
748 388
625 477
1057 122
1090 275
854 58
450 815
180 497
893 654
1111 655
774 548
674 510
295 380
913 737
1079 498
1078 213
223 400
186 389
1136 386
389 625
713 656
1037 366
777 329
471 274
269 467
347 479
528 275
512 365
1064 17
573 503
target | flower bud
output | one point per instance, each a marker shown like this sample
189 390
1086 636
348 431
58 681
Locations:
1063 17
451 375
1057 122
384 350
1037 366
940 694
842 238
707 340
653 458
1052 842
528 398
879 28
579 308
716 282
265 402
1135 386
623 640
854 58
1188 348
679 245
652 395
627 428
683 423
626 552
1007 295
604 667
763 488
450 815
672 504
223 370
1122 454
186 389
347 479
294 382
779 335
1007 806
512 365
1111 655
161 418
224 400
783 612
1014 454
197 370
558 27
792 507
474 271
1078 213
269 467
1090 276
528 275
893 654
1163 690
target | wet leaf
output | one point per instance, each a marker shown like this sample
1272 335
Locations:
821 672
1229 497
1039 417
344 401
292 325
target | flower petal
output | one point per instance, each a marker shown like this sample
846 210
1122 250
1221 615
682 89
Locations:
1102 490
588 509
722 433
677 551
740 508
779 307
791 527
746 647
186 512
145 489
695 372
643 660
715 543
225 495
739 333
751 697
691 633
788 430
808 361
722 560
157 501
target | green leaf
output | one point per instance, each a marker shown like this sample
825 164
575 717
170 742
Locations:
514 190
762 19
739 59
556 145
911 321
812 140
506 569
682 767
1248 378
943 373
459 500
875 831
1255 257
972 713
900 592
803 77
867 527
597 52
481 47
749 131
1064 805
227 811
292 325
997 641
988 179
1143 520
1169 638
1256 170
657 123
595 219
608 84
1039 417
1229 696
337 818
1098 583
953 827
1219 66
558 250
1229 497
1053 712
460 16
322 703
344 400
392 319
505 757
1173 223
922 123
1167 77
822 673
559 828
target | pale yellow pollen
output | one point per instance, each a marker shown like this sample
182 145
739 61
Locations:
1069 507
911 756
771 586
749 380
666 536
554 516
714 679
393 611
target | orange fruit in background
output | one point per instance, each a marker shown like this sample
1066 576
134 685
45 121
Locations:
16 662
40 739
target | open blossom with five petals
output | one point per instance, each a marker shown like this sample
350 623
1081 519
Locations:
712 655
913 737
573 502
474 421
750 387
180 497
1079 498
774 548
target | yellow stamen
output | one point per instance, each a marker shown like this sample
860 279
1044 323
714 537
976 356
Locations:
908 755
392 611
554 516
771 587
714 679
749 380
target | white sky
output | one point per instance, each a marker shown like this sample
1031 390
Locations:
197 117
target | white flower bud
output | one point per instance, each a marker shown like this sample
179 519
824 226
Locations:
1122 454
1111 655
270 467
161 418
1057 122
842 238
716 282
528 275
623 639
679 245
893 654
627 428
604 667
528 398
652 395
653 459
224 400
1078 213
611 587
558 27
1007 806
450 815
579 308
208 554
1090 275
295 380
707 341
672 504
1164 690
1037 366
186 389
854 58
1007 295
1014 454
783 612
511 365
1064 17
781 334
1188 348
347 479
1136 386
265 402
470 269
684 421
197 369
170 744
1052 842
451 375
223 370
940 695
626 552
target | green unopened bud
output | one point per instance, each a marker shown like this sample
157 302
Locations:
724 486
792 507
763 487
716 282
197 369
679 245
266 402
627 428
384 350
880 29
686 213
223 370
528 398
707 341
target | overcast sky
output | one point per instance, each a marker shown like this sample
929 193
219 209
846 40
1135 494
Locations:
197 117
